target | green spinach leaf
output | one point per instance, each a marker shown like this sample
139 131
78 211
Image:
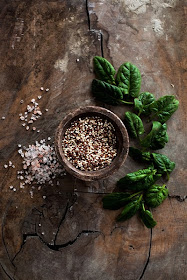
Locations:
133 124
139 155
114 201
163 164
147 217
143 102
157 138
139 180
107 93
104 70
129 78
130 209
164 107
155 195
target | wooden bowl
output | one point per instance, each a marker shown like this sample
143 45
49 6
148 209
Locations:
122 143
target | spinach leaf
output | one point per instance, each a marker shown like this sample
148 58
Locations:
139 155
107 93
164 107
139 180
114 201
133 124
157 138
155 195
130 209
104 70
147 217
143 102
163 164
129 78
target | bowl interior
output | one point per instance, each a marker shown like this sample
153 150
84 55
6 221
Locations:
121 137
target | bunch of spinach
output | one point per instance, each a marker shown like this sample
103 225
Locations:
123 87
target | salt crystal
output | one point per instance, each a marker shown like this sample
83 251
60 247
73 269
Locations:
49 138
47 89
13 166
27 127
39 225
38 131
23 124
5 166
34 128
22 118
11 187
46 110
39 96
3 118
41 88
42 233
19 145
44 196
31 121
14 189
77 60
33 100
20 114
10 163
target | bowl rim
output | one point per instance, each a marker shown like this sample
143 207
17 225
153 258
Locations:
118 160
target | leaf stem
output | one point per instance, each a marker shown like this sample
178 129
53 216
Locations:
167 174
126 102
134 194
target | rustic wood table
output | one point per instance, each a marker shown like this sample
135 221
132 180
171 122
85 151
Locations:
62 232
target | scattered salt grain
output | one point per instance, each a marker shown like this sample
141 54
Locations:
44 196
49 138
27 127
47 89
5 166
14 189
39 225
34 128
38 131
21 101
77 60
42 233
11 187
19 145
3 118
46 110
41 88
23 124
33 100
39 96
10 163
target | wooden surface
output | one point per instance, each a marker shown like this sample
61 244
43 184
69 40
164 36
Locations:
52 44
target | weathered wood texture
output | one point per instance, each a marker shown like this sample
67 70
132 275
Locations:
68 235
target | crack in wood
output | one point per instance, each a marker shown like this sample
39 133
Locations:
178 197
6 272
61 221
2 229
149 254
55 247
93 30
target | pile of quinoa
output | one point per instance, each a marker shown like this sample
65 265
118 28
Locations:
90 143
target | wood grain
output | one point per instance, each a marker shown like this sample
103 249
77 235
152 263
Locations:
68 235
